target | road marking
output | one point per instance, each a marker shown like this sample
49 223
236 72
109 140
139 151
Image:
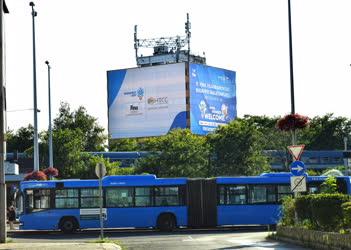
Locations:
206 238
256 244
189 239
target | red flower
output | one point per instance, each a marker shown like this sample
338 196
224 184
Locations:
36 175
292 122
51 171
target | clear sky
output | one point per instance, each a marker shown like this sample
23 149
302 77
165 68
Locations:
83 39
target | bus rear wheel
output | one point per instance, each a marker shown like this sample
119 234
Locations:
68 225
166 222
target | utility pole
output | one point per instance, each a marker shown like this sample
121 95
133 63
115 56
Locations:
51 159
3 234
36 147
292 92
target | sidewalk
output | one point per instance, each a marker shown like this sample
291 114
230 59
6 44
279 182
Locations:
60 246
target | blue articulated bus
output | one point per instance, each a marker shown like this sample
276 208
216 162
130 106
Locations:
146 201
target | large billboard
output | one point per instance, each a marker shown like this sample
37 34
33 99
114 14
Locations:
212 98
147 101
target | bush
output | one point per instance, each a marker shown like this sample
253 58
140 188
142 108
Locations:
303 207
346 210
288 210
329 186
326 211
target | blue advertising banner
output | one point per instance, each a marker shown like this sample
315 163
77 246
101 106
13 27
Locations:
212 98
148 101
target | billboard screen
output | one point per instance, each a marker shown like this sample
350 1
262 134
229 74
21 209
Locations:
146 101
212 98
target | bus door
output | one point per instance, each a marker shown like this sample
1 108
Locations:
202 202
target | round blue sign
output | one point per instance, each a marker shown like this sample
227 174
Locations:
297 168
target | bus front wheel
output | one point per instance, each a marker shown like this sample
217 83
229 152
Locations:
68 225
166 222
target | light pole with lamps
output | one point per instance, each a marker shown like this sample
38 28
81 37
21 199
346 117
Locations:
51 160
36 147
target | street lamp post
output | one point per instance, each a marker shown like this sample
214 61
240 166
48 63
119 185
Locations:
36 147
51 160
292 94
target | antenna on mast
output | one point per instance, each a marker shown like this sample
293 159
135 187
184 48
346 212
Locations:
167 50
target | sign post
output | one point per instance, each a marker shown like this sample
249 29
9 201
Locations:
298 170
100 171
296 151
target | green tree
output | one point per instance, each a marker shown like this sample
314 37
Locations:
128 144
92 134
272 138
21 140
236 149
329 186
177 154
68 153
326 133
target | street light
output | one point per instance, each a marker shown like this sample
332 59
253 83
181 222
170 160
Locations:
36 147
51 160
292 94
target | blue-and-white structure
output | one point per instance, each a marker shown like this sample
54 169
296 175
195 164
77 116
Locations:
151 101
146 101
171 88
212 98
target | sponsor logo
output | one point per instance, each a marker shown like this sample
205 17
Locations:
139 93
133 108
157 100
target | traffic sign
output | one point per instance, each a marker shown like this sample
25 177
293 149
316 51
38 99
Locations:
298 184
100 170
296 151
297 168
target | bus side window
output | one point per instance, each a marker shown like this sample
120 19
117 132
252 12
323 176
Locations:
29 201
119 197
283 191
167 196
237 194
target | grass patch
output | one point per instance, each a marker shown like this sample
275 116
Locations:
9 240
271 236
107 240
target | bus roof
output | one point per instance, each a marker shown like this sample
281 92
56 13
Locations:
120 180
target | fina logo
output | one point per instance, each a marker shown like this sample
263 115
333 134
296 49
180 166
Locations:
133 107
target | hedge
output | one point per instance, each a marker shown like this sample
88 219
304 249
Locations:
346 207
319 211
327 212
